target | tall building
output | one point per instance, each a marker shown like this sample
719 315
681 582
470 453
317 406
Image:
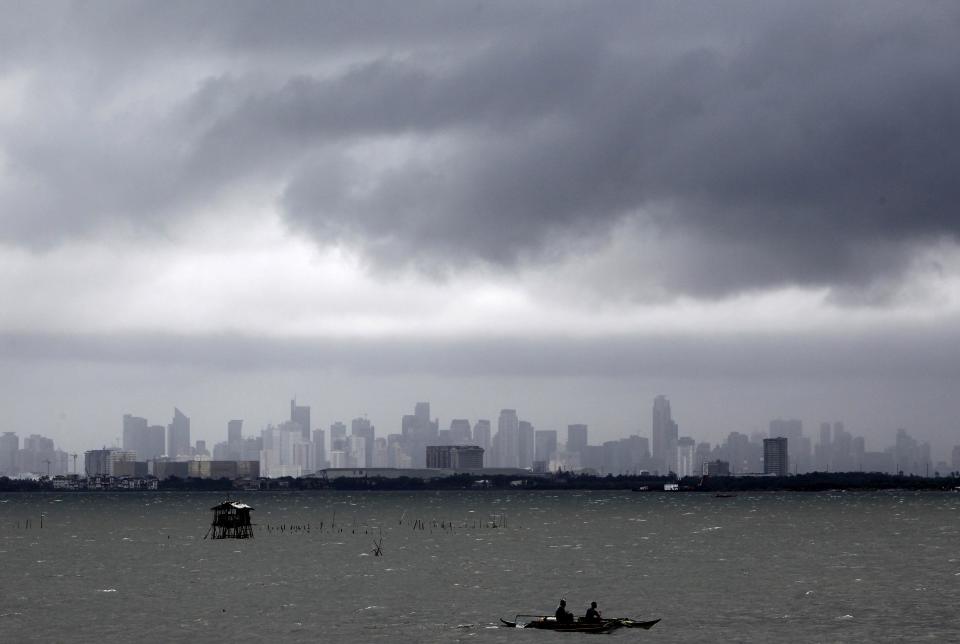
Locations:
250 448
421 411
460 431
482 433
613 462
507 440
775 460
525 444
381 453
234 431
792 430
823 450
363 428
156 442
319 449
418 431
634 454
338 437
357 456
577 439
135 435
544 445
686 456
178 436
396 455
910 456
300 414
664 435
841 454
738 451
9 447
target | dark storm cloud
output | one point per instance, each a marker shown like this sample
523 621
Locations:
814 145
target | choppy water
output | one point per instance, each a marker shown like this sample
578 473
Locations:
755 568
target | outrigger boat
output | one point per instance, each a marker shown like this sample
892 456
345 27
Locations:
550 623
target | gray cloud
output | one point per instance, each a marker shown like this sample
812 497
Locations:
780 145
915 351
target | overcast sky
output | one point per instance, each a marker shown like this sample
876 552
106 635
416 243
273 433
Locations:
560 207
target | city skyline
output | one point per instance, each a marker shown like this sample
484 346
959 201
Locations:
644 427
291 448
563 208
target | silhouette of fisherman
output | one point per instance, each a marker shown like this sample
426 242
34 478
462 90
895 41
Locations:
593 615
563 616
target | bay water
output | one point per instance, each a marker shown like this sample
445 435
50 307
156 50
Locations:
794 567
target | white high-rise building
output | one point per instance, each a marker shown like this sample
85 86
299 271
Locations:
358 451
381 453
686 457
178 436
665 432
507 440
319 449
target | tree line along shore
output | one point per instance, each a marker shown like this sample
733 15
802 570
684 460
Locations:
810 482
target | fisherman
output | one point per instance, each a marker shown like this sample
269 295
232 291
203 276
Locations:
593 615
563 616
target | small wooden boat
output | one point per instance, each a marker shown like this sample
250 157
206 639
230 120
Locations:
550 623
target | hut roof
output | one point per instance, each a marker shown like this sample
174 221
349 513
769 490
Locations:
236 505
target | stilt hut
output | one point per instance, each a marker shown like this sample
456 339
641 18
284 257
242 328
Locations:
231 520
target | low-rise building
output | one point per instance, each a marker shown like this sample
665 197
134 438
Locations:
457 457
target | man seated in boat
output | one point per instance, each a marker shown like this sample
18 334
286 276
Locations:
593 615
563 616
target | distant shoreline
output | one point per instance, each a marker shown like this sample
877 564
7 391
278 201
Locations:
719 485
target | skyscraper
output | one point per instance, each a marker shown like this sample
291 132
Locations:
525 444
135 435
545 444
686 456
421 411
775 460
363 428
338 437
234 431
319 449
156 442
824 449
460 431
418 432
507 440
664 436
481 438
300 414
792 430
9 446
577 441
178 435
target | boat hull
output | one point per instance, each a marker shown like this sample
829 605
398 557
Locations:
603 626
